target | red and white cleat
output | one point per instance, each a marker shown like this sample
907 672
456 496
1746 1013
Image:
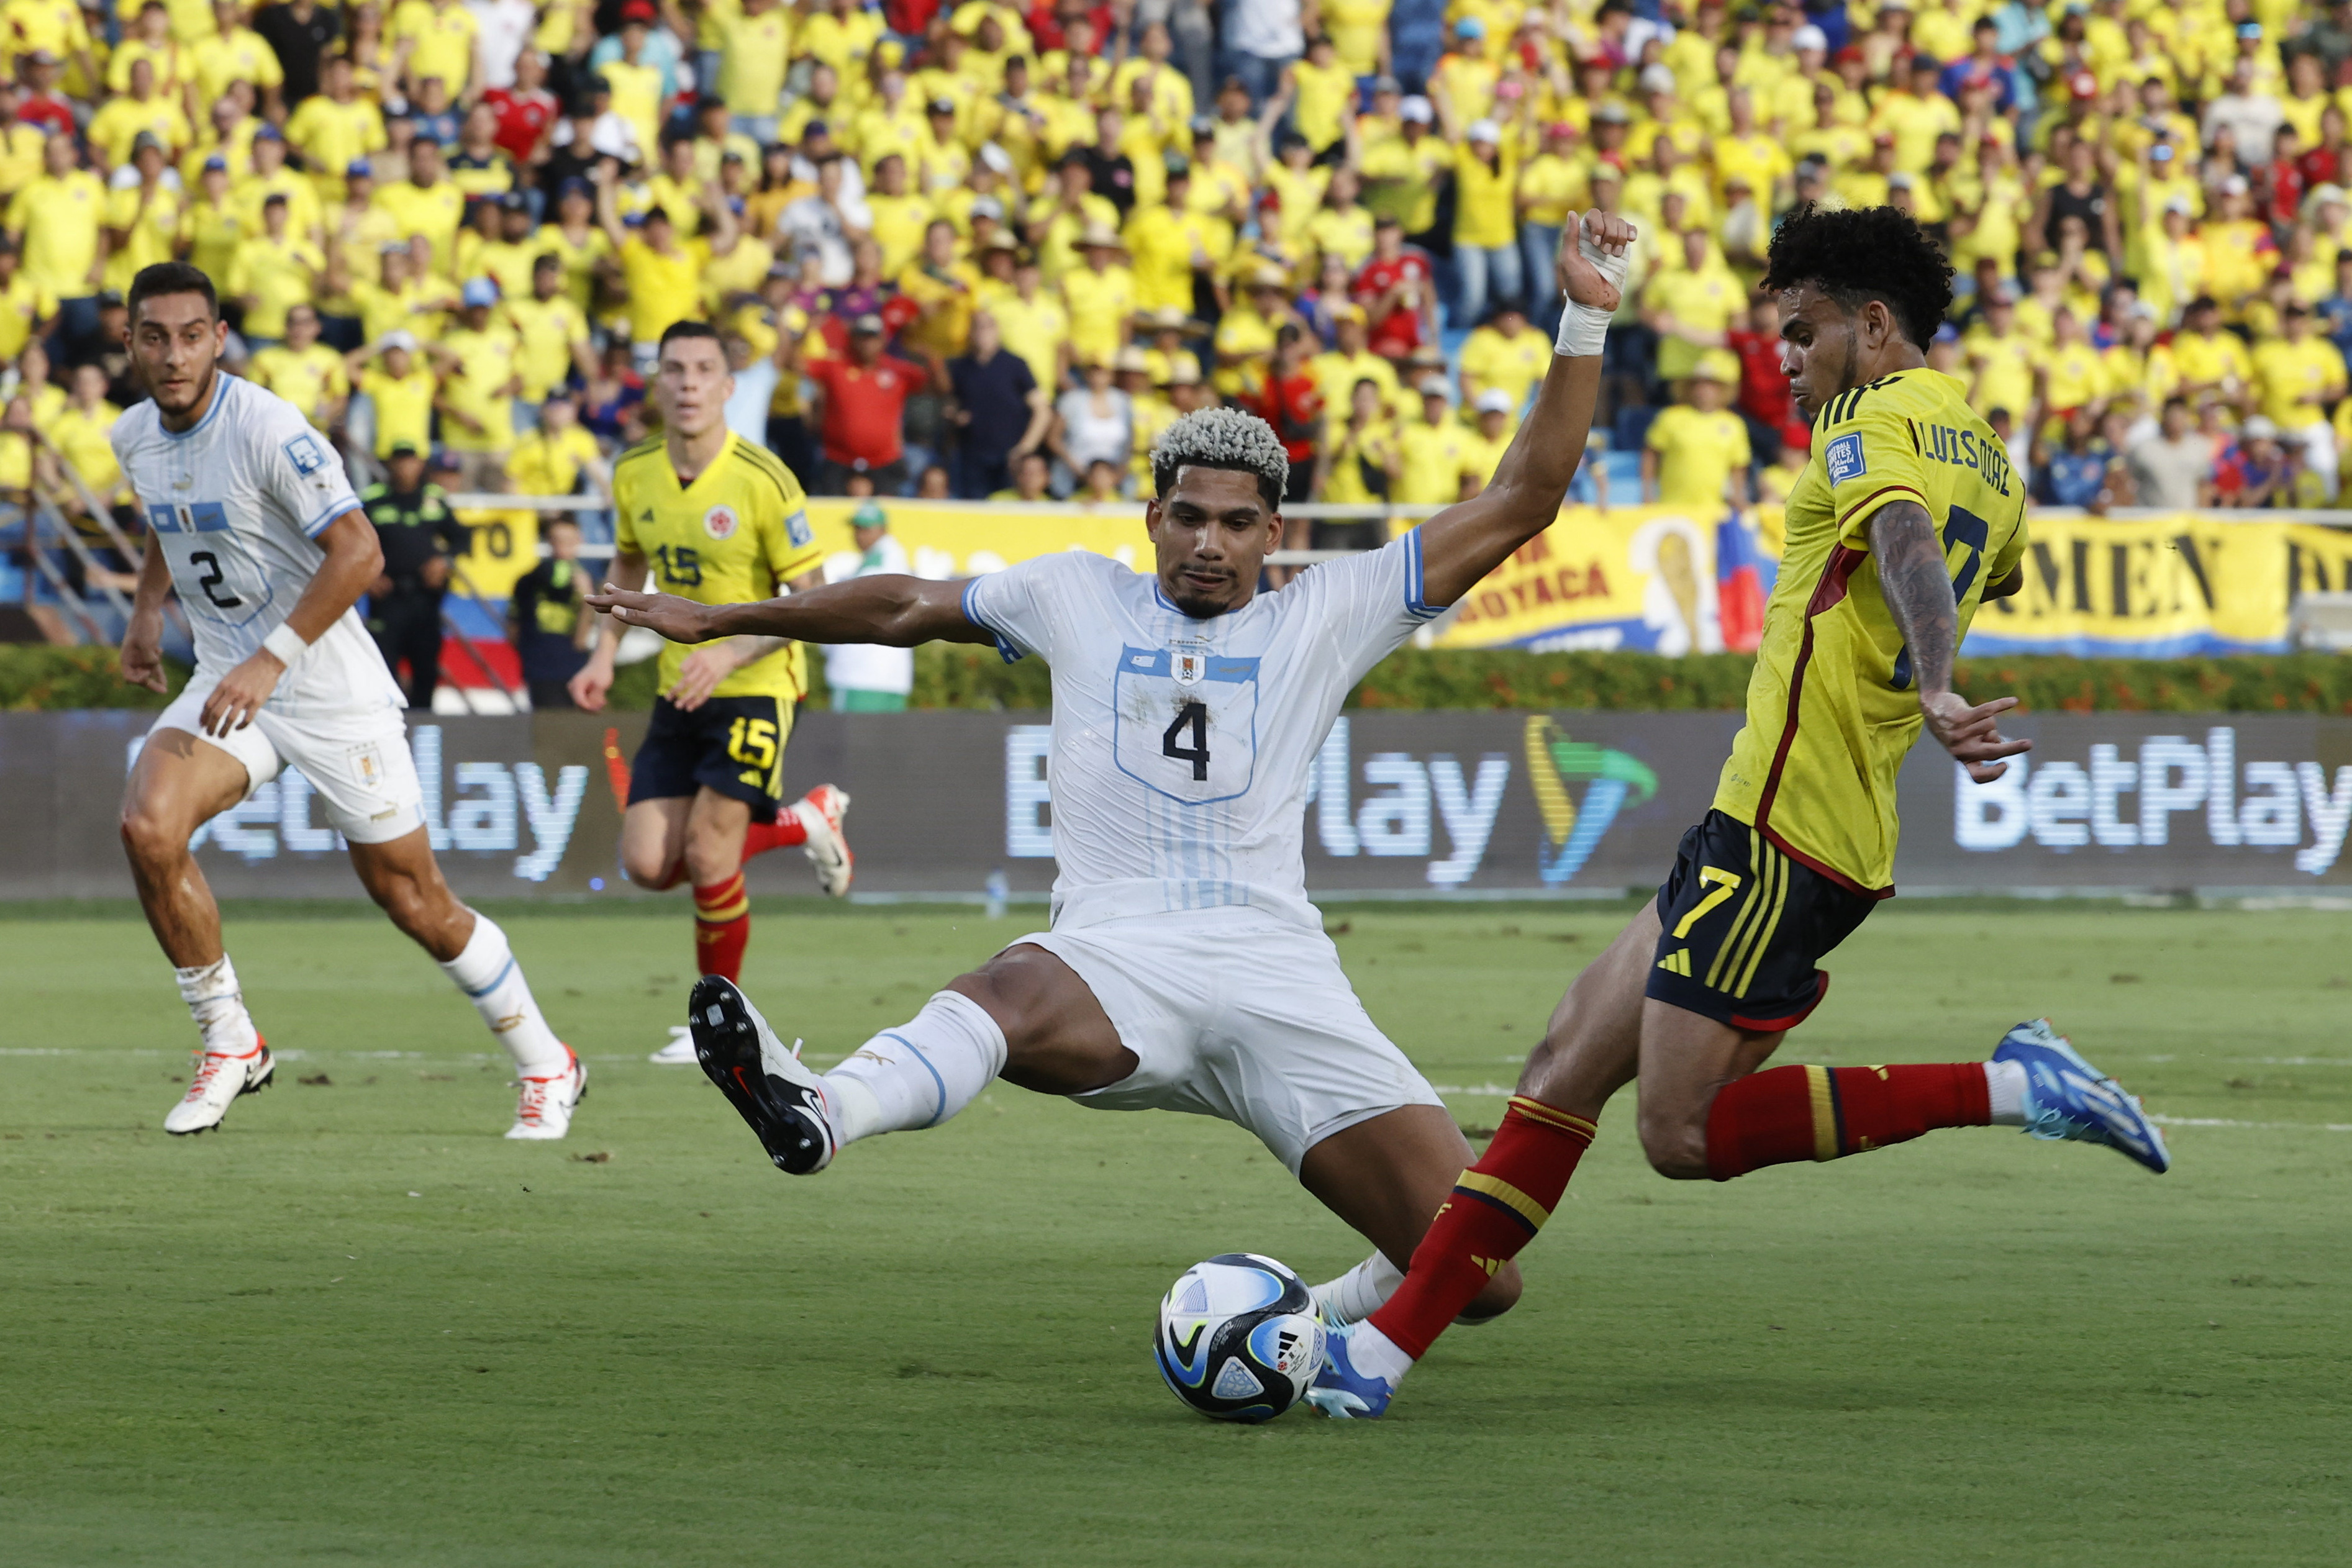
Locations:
220 1078
549 1100
820 811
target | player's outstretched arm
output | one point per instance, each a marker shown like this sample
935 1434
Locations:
897 612
1461 544
1917 587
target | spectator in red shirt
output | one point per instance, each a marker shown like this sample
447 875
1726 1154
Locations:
2279 184
43 106
1396 289
1292 404
525 109
1765 401
860 401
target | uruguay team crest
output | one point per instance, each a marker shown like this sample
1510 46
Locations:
719 522
1572 831
1187 666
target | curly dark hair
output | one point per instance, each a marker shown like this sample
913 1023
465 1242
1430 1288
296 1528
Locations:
1857 254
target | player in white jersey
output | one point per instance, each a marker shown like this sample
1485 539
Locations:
1185 969
251 517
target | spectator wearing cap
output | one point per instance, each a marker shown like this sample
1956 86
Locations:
1494 422
335 128
1485 230
2299 376
1100 294
1553 187
271 175
58 221
396 390
1462 88
1001 412
637 68
420 537
1403 174
271 273
866 677
304 372
660 271
551 338
1432 450
143 219
860 401
1696 453
476 359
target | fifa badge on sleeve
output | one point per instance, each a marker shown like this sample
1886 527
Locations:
1843 458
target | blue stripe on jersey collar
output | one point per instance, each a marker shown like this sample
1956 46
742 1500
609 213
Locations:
222 381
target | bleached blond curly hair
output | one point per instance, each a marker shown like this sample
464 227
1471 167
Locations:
1223 438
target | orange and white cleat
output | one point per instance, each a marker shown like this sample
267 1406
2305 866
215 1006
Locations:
820 811
220 1077
549 1100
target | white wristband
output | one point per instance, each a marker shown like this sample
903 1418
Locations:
1583 328
287 643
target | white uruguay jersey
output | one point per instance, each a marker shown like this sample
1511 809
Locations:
1183 749
238 504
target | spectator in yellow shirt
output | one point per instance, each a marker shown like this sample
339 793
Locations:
1696 453
480 382
2300 377
399 392
272 273
1100 297
28 308
1489 437
660 271
1431 451
437 38
1504 356
142 220
1485 220
58 221
1692 307
304 372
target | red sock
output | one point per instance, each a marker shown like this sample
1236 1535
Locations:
722 926
784 832
617 769
1786 1113
1498 1206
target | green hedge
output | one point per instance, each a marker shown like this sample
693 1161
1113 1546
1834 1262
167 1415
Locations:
961 676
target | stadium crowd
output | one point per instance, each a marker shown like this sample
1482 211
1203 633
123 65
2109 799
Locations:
969 250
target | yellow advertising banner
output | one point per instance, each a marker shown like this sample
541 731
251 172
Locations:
1658 580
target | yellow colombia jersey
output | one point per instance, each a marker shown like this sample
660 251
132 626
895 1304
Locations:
731 538
1832 706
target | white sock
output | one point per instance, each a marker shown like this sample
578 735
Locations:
1370 1351
488 975
921 1073
1359 1292
218 1007
2005 1086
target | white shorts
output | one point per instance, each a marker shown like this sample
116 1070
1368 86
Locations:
1234 1013
355 758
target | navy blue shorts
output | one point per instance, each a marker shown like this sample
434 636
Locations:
732 746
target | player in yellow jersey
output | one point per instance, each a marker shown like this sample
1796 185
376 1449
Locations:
722 521
1906 517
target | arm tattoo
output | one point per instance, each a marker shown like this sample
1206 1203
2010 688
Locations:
1918 589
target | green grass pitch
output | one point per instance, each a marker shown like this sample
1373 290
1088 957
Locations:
357 1327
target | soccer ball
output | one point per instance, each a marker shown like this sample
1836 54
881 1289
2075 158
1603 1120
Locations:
1238 1338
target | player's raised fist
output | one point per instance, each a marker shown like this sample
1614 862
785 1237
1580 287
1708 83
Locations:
1592 259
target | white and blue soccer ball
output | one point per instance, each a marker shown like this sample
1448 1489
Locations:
1238 1338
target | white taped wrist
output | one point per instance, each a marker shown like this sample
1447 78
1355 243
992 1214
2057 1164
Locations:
287 643
1583 329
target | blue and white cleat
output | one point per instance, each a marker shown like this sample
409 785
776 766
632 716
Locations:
1340 1391
2066 1097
